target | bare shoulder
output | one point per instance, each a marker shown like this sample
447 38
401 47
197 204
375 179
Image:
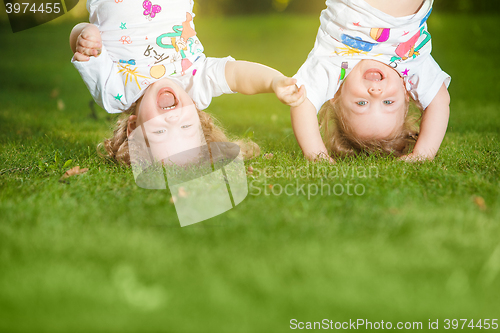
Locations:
397 8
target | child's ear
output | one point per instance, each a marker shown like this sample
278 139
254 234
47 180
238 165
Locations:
131 124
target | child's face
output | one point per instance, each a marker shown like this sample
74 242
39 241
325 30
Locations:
374 98
170 120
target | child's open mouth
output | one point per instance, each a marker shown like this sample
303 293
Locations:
166 99
374 74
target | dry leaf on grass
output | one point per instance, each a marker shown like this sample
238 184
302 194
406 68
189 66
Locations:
74 172
479 201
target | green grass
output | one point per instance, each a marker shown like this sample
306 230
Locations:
99 254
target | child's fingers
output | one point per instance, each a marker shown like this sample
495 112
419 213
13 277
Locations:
324 157
88 52
291 89
80 57
300 100
85 51
88 43
289 94
90 36
412 158
285 82
288 84
302 91
299 96
88 47
289 81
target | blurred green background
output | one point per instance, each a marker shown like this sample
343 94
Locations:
314 6
245 7
99 254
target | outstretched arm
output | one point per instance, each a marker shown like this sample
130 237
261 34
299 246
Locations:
250 78
85 41
306 129
432 128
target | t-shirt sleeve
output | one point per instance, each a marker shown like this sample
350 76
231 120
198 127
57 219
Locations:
425 86
96 73
320 78
210 82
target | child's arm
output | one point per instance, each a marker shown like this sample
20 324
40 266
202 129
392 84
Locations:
250 78
306 129
85 41
432 128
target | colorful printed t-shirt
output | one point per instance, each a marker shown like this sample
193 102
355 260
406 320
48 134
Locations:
145 41
352 30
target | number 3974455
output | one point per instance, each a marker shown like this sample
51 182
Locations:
26 7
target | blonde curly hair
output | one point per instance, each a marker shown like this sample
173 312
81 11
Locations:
341 140
116 147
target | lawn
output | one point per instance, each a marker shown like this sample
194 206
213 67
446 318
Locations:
401 243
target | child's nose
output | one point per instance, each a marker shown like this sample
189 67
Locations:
171 117
375 90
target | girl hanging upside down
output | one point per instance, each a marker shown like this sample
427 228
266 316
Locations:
370 59
144 59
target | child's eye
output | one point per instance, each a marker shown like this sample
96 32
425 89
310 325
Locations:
160 131
388 102
185 126
361 103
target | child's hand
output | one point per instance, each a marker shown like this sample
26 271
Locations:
287 92
88 44
412 158
325 157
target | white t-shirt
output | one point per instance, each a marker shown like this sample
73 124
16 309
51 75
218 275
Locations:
145 41
351 31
